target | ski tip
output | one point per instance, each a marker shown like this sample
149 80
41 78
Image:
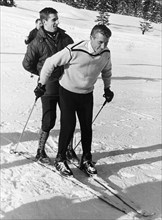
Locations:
93 175
70 177
12 151
147 214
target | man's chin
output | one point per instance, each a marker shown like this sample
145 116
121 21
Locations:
55 29
98 51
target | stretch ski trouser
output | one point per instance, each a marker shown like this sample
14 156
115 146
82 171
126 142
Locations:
70 105
49 109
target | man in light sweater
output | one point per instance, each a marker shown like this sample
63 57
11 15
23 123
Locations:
83 62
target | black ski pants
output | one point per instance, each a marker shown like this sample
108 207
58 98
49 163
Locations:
49 112
72 104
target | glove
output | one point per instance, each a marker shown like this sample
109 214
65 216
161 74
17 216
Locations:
108 95
39 90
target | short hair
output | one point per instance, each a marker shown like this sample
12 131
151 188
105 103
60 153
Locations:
44 13
101 28
38 19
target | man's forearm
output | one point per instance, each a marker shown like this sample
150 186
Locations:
58 59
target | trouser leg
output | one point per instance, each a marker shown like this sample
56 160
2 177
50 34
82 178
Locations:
68 121
49 105
70 146
43 136
85 114
49 110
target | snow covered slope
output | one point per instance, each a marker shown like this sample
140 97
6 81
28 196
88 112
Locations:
126 134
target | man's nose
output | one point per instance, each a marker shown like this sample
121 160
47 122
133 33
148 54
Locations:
102 46
57 21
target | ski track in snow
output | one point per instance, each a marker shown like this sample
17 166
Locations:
126 135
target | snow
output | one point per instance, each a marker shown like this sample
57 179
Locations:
126 134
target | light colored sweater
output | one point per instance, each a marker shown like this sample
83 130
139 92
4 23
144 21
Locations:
81 67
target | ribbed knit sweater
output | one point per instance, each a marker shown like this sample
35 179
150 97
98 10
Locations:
81 67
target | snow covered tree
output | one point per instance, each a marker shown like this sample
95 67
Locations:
103 18
145 26
91 4
155 12
9 3
152 10
147 9
114 6
103 5
122 8
134 7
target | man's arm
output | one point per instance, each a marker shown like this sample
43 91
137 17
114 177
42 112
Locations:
27 40
59 59
31 36
106 74
31 59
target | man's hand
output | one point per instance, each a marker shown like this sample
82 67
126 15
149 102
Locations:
108 94
39 90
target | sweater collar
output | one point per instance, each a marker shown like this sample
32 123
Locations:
42 33
90 49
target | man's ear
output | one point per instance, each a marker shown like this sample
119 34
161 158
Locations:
43 21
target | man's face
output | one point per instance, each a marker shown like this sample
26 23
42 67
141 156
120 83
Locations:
99 42
51 23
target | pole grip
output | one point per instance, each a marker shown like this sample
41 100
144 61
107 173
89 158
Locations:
104 102
36 98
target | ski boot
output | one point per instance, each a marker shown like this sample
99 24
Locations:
87 165
71 155
41 154
62 166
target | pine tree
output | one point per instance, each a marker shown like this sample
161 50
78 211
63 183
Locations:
150 10
155 12
122 8
114 6
103 5
9 3
135 7
145 26
103 18
91 4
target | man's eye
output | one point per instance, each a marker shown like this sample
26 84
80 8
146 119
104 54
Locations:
55 19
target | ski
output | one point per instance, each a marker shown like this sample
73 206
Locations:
121 196
124 199
102 196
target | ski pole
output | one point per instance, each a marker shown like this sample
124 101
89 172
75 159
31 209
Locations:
14 150
93 120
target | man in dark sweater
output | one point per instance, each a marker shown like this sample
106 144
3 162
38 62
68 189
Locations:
49 40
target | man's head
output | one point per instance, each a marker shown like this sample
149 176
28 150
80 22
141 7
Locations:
38 23
49 18
100 35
